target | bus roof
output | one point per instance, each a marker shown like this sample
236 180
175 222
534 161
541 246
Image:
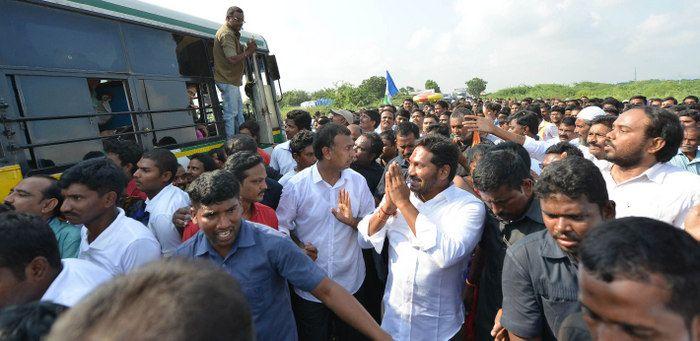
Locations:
140 12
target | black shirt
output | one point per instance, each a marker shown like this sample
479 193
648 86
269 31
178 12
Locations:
574 328
540 287
273 193
496 239
372 173
379 191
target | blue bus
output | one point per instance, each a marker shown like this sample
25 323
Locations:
74 73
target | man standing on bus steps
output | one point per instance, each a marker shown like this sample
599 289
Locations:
229 65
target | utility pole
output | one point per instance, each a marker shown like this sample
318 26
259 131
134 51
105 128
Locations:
635 73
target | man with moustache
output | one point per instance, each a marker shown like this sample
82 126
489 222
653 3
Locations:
229 64
583 125
600 127
368 148
639 180
249 169
567 130
321 206
688 157
386 121
406 135
370 120
407 104
40 195
109 239
432 228
263 262
540 287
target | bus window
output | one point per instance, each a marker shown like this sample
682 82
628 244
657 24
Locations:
168 95
151 51
192 57
107 96
37 36
41 96
201 110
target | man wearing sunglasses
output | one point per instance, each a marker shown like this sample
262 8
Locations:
229 65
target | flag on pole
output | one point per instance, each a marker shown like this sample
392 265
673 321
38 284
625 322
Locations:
391 89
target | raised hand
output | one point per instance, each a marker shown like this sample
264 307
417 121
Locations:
251 47
388 204
344 210
478 123
396 185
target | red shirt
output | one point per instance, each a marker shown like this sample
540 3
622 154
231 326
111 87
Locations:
264 155
265 215
261 214
133 191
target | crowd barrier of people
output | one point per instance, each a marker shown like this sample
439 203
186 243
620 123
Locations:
544 219
532 219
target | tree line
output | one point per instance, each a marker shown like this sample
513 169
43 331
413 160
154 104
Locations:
370 92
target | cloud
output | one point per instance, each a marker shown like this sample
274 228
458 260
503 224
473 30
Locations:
506 42
511 42
418 37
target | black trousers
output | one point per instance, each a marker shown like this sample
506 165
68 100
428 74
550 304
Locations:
315 322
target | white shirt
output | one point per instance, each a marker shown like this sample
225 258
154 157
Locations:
77 279
662 192
124 245
537 148
493 138
305 207
281 158
285 178
550 132
160 220
423 295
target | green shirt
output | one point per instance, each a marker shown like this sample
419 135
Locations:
68 236
226 45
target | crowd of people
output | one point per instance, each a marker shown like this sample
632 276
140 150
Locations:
478 219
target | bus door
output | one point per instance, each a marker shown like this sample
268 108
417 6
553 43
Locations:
261 91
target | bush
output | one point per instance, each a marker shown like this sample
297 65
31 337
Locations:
622 91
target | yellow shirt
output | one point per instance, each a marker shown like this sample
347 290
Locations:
227 44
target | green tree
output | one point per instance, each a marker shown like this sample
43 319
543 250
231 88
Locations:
323 93
431 84
294 98
372 88
476 86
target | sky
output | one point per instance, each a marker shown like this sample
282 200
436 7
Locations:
505 42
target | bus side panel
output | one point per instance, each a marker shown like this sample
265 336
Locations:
10 176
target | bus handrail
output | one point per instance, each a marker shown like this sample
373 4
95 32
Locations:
4 118
83 139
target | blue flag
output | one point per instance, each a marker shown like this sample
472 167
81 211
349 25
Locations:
391 89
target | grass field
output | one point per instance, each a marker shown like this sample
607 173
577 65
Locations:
621 91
